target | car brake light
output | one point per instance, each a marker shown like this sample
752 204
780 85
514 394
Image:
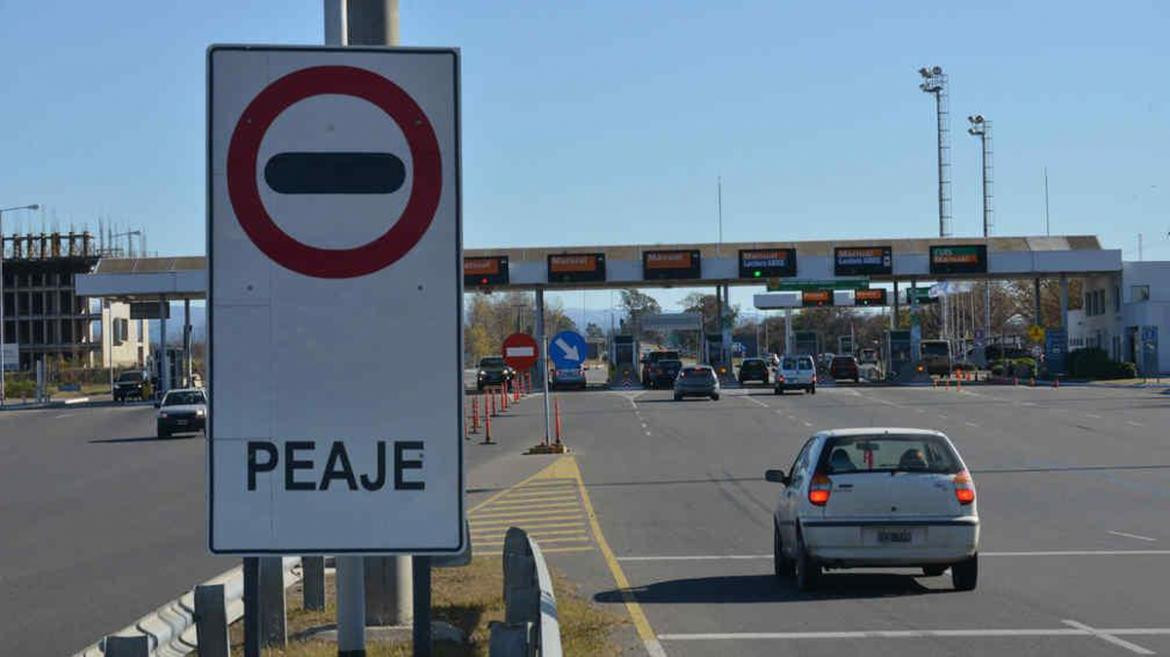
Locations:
964 488
818 490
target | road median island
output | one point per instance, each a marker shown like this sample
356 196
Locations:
466 598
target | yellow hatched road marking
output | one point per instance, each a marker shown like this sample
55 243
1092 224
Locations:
496 533
519 506
506 521
522 514
507 501
535 527
542 542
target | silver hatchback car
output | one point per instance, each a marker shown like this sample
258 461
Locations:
876 497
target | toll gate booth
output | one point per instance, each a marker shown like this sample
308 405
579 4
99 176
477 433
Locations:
625 359
899 352
808 343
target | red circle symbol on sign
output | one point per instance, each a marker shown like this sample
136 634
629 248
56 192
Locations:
520 351
244 191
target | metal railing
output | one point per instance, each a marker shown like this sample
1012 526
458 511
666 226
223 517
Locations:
530 627
170 630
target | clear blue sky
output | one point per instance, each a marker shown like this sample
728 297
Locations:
609 121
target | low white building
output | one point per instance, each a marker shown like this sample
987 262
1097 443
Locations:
1127 316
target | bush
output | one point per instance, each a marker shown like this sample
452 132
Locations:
19 388
1094 363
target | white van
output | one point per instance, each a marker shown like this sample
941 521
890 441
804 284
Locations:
796 373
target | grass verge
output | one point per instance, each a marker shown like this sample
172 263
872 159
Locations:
468 598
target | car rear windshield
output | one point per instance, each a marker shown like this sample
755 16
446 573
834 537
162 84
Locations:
491 362
805 363
843 360
670 363
183 398
130 377
656 356
888 453
698 371
752 362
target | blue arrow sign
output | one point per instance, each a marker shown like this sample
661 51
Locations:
567 350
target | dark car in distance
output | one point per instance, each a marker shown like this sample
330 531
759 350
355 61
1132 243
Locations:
696 381
130 385
493 371
664 372
753 369
650 359
845 367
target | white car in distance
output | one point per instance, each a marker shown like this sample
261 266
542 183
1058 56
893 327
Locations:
876 497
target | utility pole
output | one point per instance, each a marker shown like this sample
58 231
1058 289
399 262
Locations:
367 23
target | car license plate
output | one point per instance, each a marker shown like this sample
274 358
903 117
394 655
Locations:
181 423
894 536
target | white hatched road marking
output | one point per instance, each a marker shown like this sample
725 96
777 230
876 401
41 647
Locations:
1106 635
1128 535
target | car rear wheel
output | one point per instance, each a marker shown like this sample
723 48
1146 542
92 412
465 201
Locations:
677 397
715 397
812 390
807 571
777 390
933 571
781 565
965 574
163 433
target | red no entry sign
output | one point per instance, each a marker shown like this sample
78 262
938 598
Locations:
520 351
306 259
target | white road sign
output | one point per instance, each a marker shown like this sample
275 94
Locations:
335 301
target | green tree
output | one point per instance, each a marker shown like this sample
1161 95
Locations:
592 330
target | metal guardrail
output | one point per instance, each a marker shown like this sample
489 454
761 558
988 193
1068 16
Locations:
170 629
530 627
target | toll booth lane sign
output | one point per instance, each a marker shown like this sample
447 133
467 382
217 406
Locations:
863 261
767 263
485 272
576 268
958 259
671 265
335 301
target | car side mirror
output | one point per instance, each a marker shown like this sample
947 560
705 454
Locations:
776 477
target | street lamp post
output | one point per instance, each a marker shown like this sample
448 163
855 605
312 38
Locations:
34 206
981 128
934 82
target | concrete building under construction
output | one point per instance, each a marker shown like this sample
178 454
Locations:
44 318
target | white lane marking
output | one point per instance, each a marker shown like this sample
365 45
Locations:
648 434
654 648
1105 635
920 410
1075 630
1134 424
756 401
1027 403
943 415
1127 535
58 417
1093 415
1033 553
806 423
971 424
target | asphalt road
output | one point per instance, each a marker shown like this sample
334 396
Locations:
101 523
1074 494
